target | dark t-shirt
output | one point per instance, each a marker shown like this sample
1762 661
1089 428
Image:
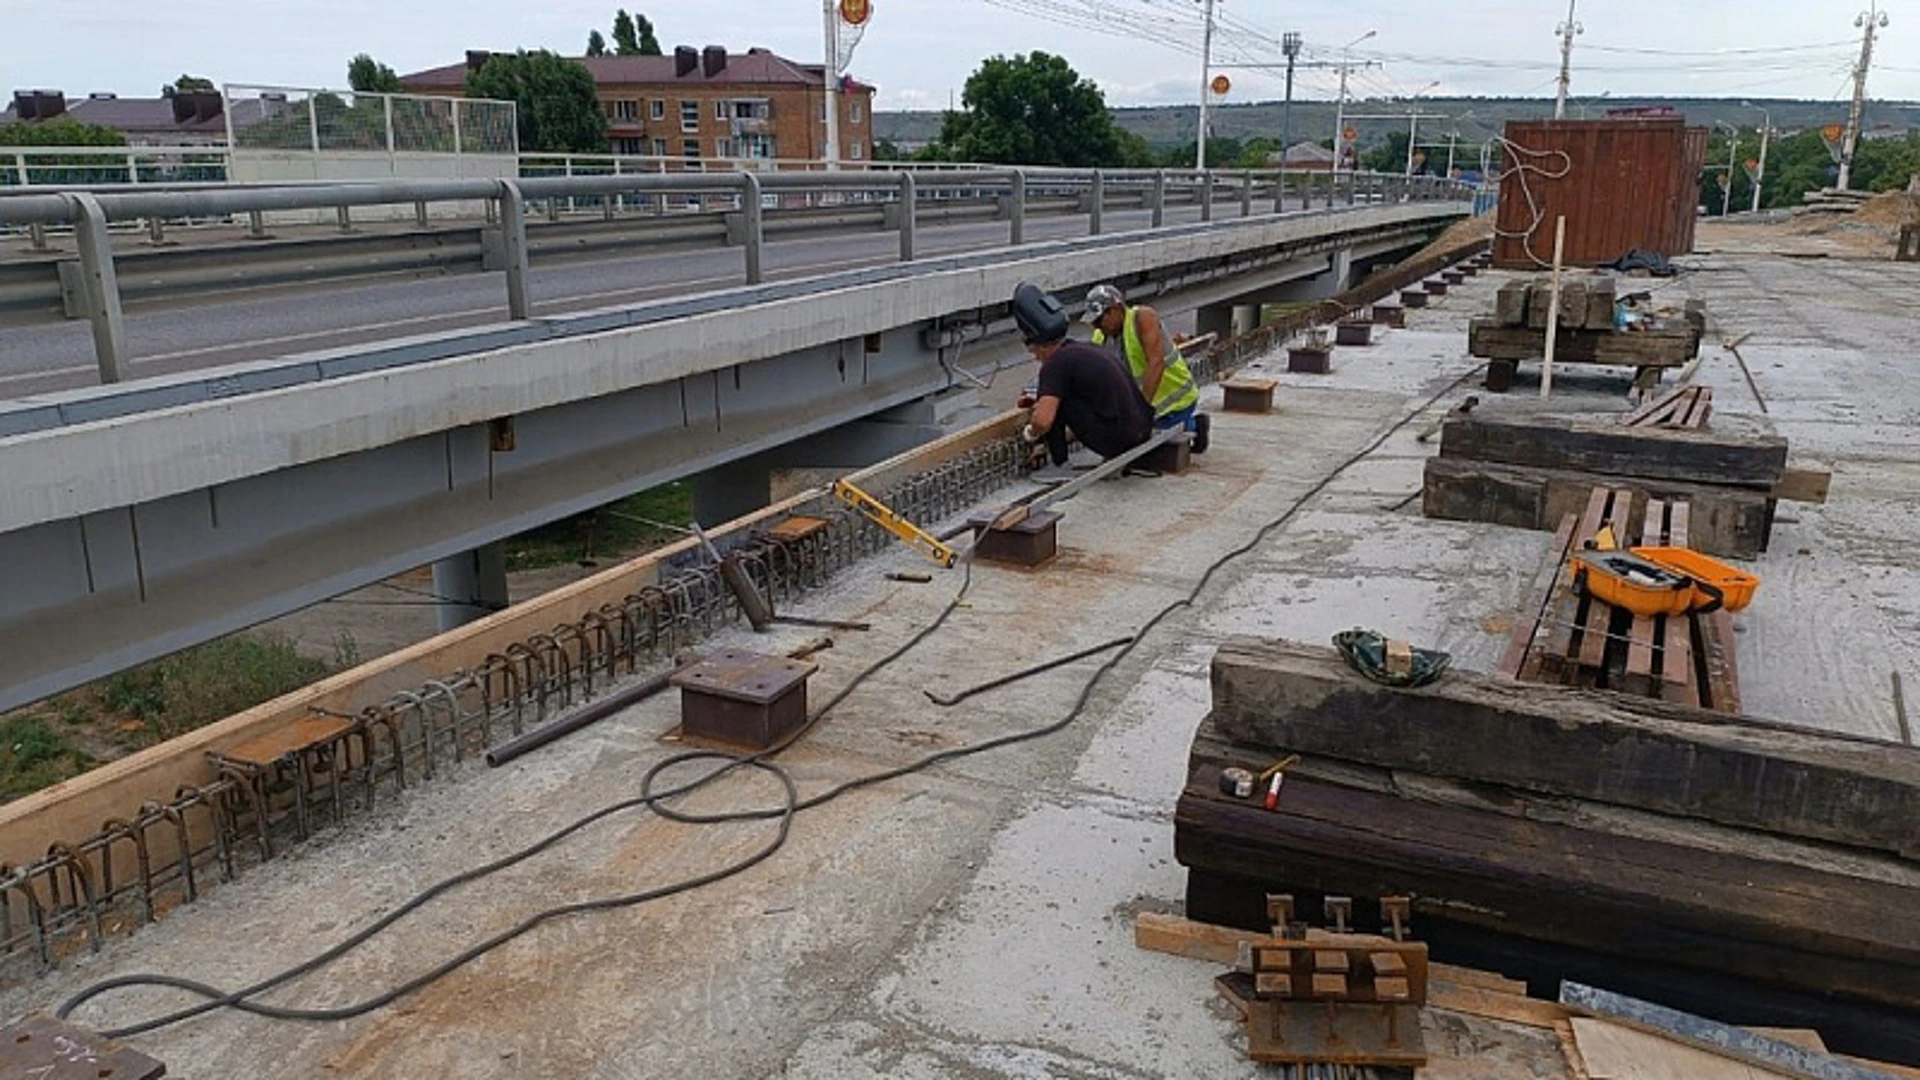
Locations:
1099 401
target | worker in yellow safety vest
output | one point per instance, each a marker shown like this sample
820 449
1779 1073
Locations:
1164 378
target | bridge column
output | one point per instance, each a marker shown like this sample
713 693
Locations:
1214 319
471 585
732 490
1246 318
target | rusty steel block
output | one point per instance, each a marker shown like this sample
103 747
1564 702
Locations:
1247 395
1413 298
1353 333
48 1049
1170 458
1435 288
1392 315
1030 543
743 698
1309 361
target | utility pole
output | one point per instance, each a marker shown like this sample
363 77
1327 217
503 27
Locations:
830 11
1340 111
1869 21
1206 86
1766 135
1290 43
1567 31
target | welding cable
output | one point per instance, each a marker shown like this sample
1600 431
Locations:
242 1000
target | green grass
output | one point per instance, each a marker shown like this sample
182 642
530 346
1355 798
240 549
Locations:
65 736
606 532
34 755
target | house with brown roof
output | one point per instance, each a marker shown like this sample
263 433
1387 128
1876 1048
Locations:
191 118
707 103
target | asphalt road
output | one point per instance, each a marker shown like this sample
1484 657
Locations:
171 337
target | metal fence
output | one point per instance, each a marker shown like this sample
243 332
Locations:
305 120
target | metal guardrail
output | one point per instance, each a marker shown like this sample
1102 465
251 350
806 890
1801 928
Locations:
92 213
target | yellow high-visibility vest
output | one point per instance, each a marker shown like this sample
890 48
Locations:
1177 388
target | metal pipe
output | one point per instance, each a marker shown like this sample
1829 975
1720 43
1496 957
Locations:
1159 197
1017 232
755 227
909 204
1096 204
513 232
102 286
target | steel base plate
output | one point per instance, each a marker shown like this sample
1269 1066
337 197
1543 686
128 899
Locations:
48 1049
1033 542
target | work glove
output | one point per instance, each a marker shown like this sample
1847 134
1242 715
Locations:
1030 435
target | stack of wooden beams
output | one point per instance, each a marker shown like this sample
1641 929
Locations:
1531 472
1735 866
1573 640
1517 330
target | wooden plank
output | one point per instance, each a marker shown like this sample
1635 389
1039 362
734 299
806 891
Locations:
1600 303
1567 629
1717 644
1599 619
1679 675
1611 748
1496 1005
1176 936
1658 406
1526 623
1724 1040
1510 304
1615 1052
1474 977
1556 442
1728 522
1807 485
1791 920
1641 634
1657 349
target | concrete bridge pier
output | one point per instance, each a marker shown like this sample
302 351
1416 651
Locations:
470 585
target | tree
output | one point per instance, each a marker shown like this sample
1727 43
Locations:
559 109
187 84
60 131
633 35
1030 109
1389 156
369 76
596 45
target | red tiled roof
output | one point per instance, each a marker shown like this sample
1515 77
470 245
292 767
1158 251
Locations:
755 67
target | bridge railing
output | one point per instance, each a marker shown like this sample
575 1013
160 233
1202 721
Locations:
1012 191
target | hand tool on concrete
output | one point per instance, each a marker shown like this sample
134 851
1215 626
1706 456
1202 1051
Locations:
595 711
740 583
880 514
822 624
913 576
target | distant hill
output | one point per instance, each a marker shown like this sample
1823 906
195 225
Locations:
1475 119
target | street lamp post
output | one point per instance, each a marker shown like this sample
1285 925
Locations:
1413 121
1766 134
1340 111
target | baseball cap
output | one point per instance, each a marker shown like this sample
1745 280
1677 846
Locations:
1099 299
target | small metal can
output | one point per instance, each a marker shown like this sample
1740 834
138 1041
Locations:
1237 783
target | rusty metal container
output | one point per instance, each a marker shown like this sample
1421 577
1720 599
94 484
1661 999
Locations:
1628 183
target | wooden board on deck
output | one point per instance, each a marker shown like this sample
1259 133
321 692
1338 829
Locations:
1599 446
1671 348
1612 1052
1612 748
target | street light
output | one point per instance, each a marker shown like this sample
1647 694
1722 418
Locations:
1766 134
1340 111
1413 121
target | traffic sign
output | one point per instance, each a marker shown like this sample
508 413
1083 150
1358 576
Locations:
856 12
1221 84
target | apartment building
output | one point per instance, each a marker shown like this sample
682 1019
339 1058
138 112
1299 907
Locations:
708 103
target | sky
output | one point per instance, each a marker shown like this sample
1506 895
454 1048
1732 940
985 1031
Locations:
919 52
